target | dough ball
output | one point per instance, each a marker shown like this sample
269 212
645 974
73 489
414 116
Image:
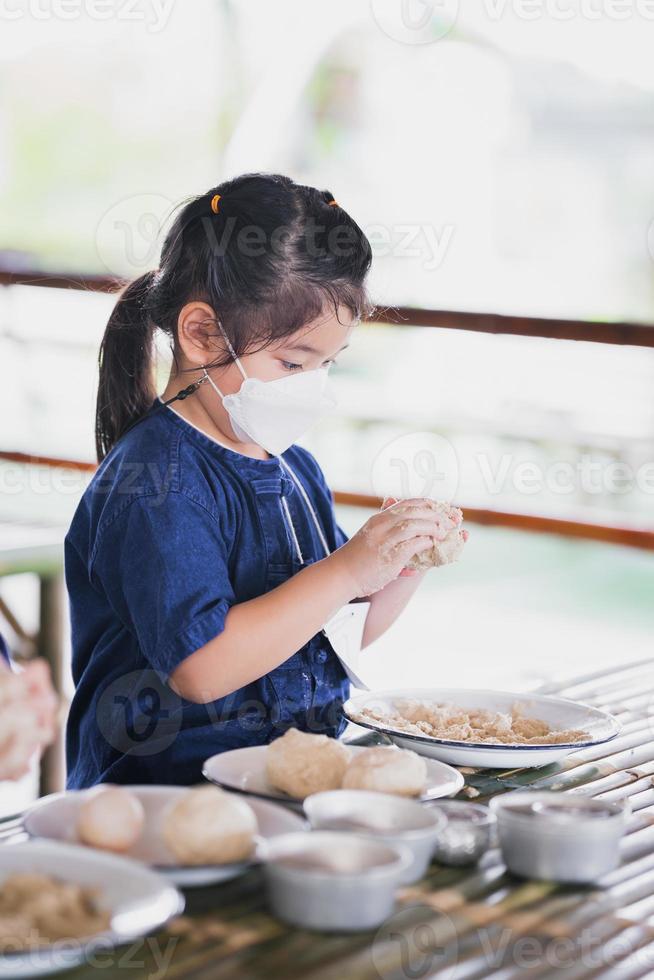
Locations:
111 818
300 763
209 826
442 552
387 769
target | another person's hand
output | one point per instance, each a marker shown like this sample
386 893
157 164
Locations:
28 716
378 552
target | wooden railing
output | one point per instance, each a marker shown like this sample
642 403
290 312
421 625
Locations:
620 333
629 334
596 331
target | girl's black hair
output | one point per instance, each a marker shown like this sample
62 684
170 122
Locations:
268 260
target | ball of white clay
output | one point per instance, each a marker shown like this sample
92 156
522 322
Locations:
300 763
387 769
111 818
209 826
442 552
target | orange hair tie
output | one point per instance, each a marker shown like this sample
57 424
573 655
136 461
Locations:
333 204
214 203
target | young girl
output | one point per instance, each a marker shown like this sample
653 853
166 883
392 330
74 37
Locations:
205 567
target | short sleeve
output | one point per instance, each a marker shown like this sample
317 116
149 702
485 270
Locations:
163 566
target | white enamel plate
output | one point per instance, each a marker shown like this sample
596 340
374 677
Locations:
244 771
138 899
559 713
55 817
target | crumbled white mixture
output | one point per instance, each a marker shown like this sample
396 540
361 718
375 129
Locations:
449 721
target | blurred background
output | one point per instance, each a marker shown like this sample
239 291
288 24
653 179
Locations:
498 154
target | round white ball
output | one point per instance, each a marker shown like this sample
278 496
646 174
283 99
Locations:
441 552
209 826
300 763
110 818
387 769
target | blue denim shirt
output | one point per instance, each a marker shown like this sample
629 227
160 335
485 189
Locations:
173 530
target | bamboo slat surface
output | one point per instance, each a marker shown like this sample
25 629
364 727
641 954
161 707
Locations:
467 924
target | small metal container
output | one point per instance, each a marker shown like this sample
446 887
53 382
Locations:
332 882
470 831
383 817
560 837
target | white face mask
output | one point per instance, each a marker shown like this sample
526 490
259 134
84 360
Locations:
274 414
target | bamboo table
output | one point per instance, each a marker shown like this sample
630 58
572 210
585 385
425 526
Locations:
467 924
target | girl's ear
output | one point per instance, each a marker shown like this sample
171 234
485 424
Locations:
197 333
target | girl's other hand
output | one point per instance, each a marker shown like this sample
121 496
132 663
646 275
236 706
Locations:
42 698
28 716
380 550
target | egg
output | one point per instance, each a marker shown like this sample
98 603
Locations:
110 818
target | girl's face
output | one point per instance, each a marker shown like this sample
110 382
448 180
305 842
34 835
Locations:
310 348
316 345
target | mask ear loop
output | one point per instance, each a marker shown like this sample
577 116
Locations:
206 377
235 357
231 350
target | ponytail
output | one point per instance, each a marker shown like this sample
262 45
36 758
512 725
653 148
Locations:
126 384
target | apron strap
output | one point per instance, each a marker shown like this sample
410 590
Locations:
296 543
314 517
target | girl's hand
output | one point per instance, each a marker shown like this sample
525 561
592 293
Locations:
406 572
455 514
378 552
28 712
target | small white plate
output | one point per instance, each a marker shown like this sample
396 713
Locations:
559 713
55 817
244 771
139 900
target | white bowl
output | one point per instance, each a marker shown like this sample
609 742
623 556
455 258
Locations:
564 837
140 901
55 817
559 713
244 771
382 817
332 900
